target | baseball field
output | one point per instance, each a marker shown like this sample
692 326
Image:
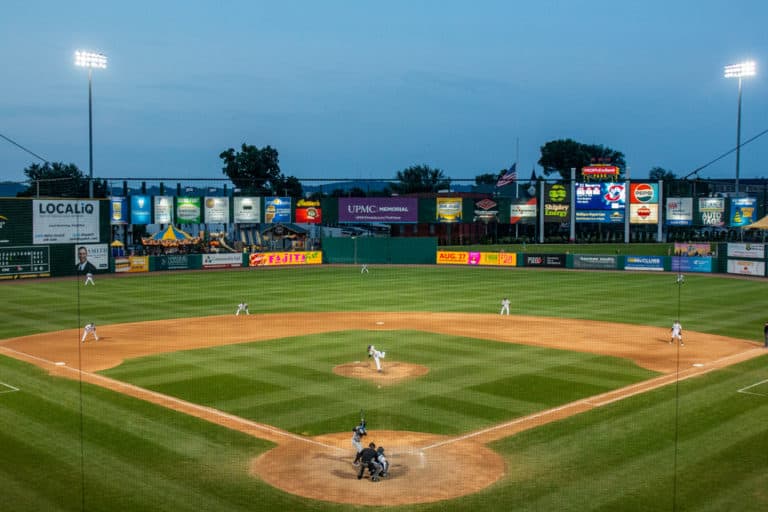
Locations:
576 401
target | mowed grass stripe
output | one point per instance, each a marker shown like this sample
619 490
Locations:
282 383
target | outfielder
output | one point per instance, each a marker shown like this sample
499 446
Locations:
677 333
504 306
242 307
357 440
89 279
90 328
377 356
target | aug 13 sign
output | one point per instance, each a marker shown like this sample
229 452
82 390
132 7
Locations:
62 221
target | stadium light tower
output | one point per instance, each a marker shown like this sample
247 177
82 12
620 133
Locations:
739 71
90 60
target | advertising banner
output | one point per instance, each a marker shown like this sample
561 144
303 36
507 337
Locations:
486 210
502 259
173 262
63 221
188 210
277 210
596 262
685 249
679 211
15 222
308 212
452 257
557 203
747 268
275 259
643 213
247 210
743 211
691 264
141 210
544 260
118 209
643 193
91 258
388 210
654 263
449 209
523 213
600 196
600 216
216 210
600 171
223 260
163 209
132 264
25 262
712 211
756 251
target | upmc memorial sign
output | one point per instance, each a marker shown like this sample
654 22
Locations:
378 209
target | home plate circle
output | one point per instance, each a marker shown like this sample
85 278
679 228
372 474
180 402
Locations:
698 365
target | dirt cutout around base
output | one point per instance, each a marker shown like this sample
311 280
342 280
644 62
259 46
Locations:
392 372
425 467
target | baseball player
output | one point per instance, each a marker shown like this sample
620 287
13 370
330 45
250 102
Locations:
368 458
364 269
89 279
242 307
677 333
90 328
504 306
381 459
357 437
377 356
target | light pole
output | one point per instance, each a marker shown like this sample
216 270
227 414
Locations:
740 70
90 60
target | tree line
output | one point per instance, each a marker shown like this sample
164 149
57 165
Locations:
256 171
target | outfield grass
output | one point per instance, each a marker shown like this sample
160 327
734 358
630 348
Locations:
125 454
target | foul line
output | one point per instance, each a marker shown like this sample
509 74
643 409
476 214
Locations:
744 390
10 390
595 401
95 378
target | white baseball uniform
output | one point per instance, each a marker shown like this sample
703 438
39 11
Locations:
504 307
89 279
677 332
377 356
242 307
90 328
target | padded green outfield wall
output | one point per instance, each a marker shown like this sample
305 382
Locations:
392 250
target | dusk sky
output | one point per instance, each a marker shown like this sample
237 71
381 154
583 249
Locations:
359 89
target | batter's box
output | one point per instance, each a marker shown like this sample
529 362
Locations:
759 389
7 388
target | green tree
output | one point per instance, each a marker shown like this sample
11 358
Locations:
289 186
488 178
659 173
255 170
560 156
420 178
58 179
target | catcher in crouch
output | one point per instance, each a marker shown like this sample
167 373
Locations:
377 356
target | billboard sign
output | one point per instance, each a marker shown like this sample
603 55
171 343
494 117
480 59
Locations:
679 211
91 257
277 210
188 210
388 210
278 259
747 268
308 212
163 209
712 211
643 193
141 210
223 260
118 209
643 213
557 203
449 209
691 264
523 213
63 221
247 210
544 260
216 210
756 251
654 263
596 262
743 211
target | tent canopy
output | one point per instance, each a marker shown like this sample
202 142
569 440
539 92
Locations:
171 233
117 243
760 224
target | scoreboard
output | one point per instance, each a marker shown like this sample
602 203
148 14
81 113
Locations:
25 261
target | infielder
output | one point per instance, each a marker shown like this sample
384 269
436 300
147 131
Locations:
89 279
90 328
242 307
377 356
357 440
364 269
677 333
504 306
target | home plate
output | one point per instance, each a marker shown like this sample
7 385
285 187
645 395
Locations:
60 363
698 365
379 323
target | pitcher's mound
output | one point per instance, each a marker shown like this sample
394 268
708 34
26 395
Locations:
392 371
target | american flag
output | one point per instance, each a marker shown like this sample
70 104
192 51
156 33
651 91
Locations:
508 177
